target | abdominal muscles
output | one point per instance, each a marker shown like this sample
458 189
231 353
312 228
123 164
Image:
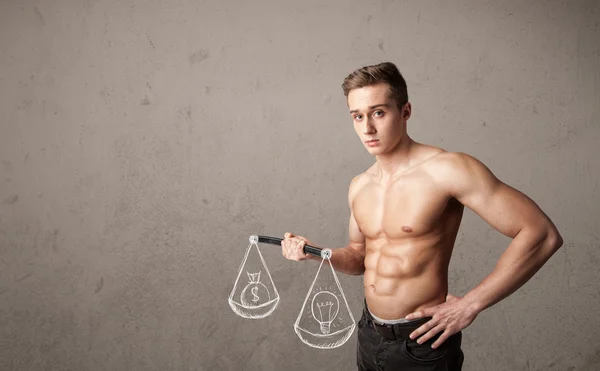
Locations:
403 277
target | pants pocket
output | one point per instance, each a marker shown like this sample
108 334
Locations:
423 353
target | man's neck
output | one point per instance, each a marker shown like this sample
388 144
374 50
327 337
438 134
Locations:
397 161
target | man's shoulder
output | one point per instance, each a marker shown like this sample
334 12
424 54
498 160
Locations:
359 181
450 169
364 176
437 161
447 160
436 158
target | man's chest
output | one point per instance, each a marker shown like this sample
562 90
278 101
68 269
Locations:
408 208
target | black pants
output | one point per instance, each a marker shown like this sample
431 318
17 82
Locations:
388 348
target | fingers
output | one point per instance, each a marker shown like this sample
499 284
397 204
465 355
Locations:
414 315
431 333
442 338
423 329
429 330
446 320
292 247
438 324
429 312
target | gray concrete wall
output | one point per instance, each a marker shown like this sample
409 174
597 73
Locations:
142 142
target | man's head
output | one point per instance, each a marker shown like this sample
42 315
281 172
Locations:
383 73
378 103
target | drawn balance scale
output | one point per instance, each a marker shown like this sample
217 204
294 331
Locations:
325 320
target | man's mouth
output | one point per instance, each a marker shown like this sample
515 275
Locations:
372 142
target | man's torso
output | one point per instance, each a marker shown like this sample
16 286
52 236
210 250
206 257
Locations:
410 224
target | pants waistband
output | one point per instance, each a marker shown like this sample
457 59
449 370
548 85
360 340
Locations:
390 322
397 331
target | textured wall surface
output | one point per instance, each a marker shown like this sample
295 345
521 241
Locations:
142 142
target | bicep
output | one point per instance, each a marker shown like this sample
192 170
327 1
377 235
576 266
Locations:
357 239
503 207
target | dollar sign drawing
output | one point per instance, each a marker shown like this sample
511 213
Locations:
254 291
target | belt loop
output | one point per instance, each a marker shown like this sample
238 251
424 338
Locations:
394 332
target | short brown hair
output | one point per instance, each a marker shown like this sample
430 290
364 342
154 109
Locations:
386 73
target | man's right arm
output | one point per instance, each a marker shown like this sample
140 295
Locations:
349 259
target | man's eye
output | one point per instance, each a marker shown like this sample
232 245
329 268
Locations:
358 117
378 113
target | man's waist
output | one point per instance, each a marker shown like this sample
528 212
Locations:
389 321
398 329
398 305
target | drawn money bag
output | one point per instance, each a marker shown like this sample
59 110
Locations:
257 297
255 293
325 320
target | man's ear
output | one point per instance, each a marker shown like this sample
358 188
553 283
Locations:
407 110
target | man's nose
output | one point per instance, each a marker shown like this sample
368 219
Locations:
369 127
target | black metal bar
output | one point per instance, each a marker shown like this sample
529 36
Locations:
277 241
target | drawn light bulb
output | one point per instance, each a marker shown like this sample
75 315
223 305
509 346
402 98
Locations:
325 306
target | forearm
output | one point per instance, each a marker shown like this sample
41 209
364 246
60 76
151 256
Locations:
526 254
347 260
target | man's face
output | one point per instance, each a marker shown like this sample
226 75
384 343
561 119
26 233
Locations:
377 119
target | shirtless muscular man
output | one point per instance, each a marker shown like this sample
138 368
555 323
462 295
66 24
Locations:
406 210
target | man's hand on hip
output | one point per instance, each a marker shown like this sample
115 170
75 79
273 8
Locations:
450 317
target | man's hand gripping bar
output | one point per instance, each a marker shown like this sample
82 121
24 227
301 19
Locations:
322 253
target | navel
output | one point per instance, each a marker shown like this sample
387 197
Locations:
406 229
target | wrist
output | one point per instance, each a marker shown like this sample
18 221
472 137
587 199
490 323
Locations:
473 305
